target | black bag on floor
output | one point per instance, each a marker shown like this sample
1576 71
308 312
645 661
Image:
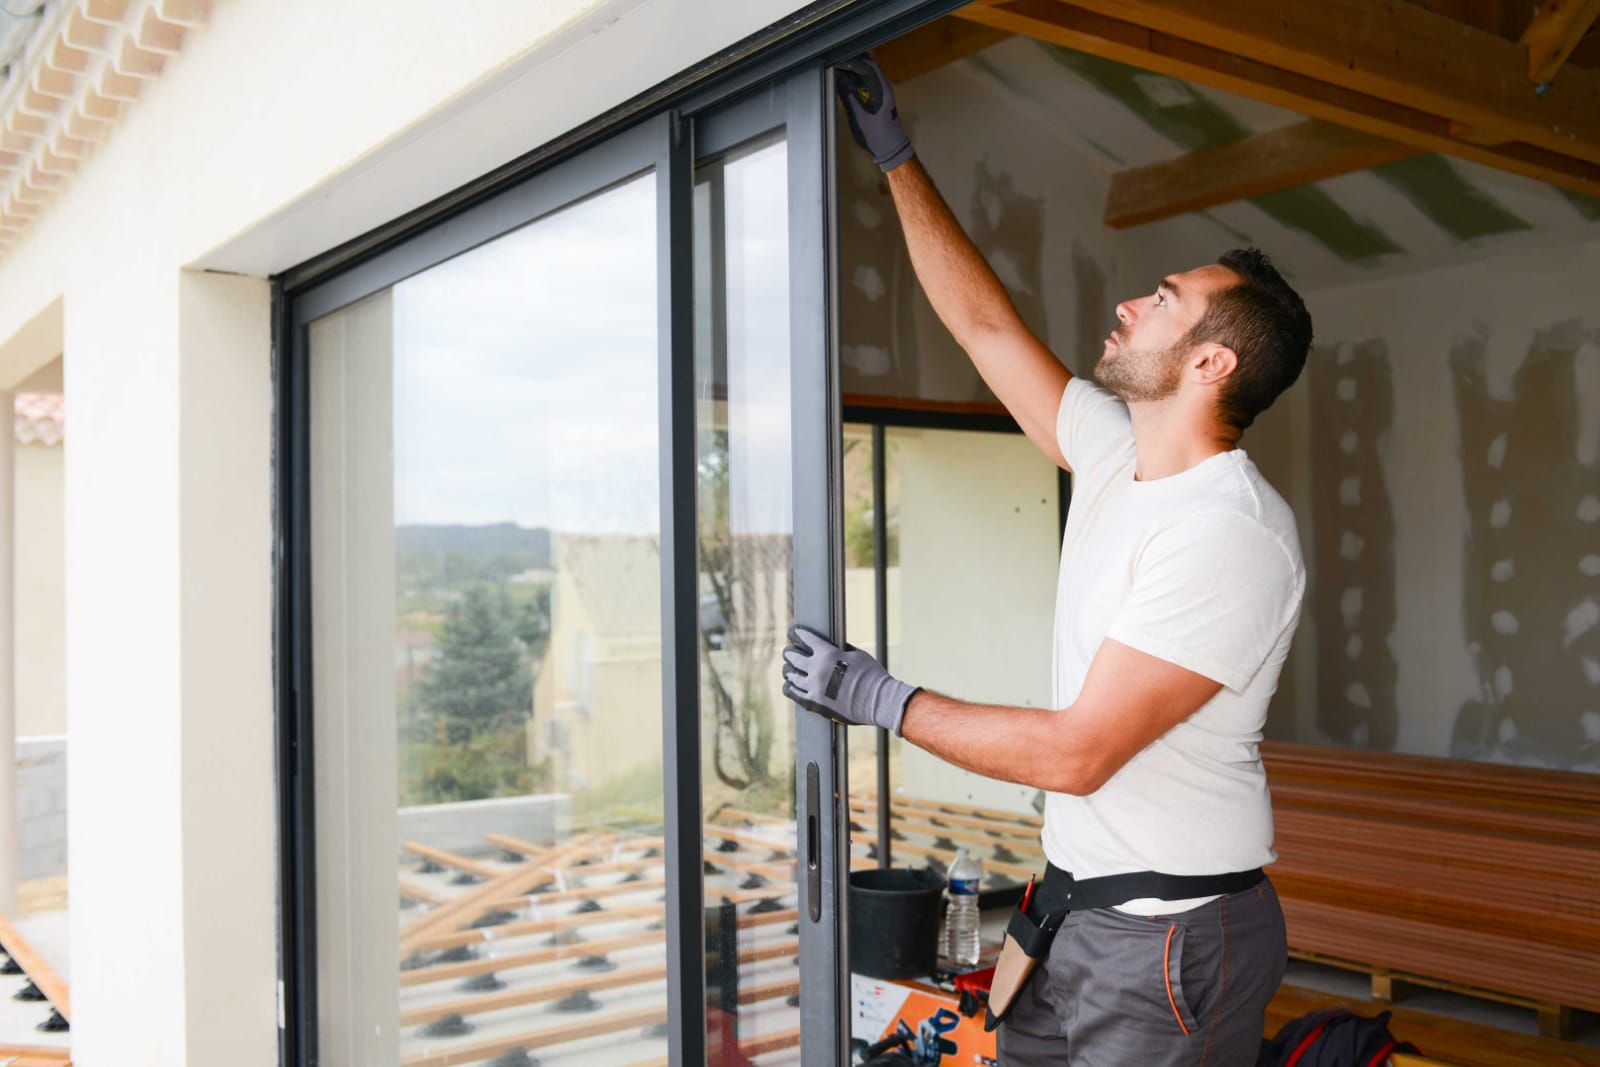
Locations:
1332 1037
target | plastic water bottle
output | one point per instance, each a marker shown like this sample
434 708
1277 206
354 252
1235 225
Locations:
961 910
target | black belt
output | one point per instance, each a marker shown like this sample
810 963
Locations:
1060 893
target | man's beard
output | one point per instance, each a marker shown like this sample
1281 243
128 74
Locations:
1141 375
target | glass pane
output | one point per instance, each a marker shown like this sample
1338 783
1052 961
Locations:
487 650
974 541
861 623
746 545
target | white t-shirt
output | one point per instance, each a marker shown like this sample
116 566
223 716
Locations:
1202 569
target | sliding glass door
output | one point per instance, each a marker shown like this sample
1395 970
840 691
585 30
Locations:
559 473
764 421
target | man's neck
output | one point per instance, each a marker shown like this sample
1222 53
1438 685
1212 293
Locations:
1170 440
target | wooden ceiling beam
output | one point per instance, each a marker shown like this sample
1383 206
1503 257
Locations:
1284 158
1138 46
1556 29
933 45
1396 51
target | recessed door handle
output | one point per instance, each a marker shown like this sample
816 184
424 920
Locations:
813 831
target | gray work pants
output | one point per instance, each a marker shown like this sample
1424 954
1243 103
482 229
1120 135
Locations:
1184 990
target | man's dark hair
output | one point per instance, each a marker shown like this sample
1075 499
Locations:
1266 324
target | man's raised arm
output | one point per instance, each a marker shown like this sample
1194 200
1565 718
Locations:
965 292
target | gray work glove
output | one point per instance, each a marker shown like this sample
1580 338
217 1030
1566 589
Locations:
844 684
869 105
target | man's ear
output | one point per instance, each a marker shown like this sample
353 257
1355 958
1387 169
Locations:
1214 363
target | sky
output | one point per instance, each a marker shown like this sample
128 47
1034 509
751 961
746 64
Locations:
525 385
525 375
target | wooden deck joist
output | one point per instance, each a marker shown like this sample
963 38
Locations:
534 994
444 858
34 1056
525 927
940 810
944 825
598 1026
442 972
478 900
38 970
868 806
751 1047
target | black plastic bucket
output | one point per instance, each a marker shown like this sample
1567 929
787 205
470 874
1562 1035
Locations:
894 921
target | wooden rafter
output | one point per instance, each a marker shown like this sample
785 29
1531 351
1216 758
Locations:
931 46
1294 155
1398 51
1555 31
1165 53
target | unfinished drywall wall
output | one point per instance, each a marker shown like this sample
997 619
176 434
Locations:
1531 580
1352 531
1462 408
1024 194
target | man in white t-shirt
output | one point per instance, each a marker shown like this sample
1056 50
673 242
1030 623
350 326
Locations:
1179 591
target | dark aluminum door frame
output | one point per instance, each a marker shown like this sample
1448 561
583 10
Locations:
801 104
817 431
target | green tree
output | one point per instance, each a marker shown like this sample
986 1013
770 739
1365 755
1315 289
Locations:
485 765
480 683
533 628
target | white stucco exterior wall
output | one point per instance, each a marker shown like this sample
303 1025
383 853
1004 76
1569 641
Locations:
41 593
282 130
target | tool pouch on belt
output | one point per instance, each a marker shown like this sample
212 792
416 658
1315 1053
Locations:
1027 940
1035 922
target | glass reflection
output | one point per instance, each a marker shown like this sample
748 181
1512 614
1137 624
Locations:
746 548
487 631
973 521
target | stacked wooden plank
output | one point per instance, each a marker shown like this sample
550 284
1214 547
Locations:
1475 877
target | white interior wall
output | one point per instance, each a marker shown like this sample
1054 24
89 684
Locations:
979 539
